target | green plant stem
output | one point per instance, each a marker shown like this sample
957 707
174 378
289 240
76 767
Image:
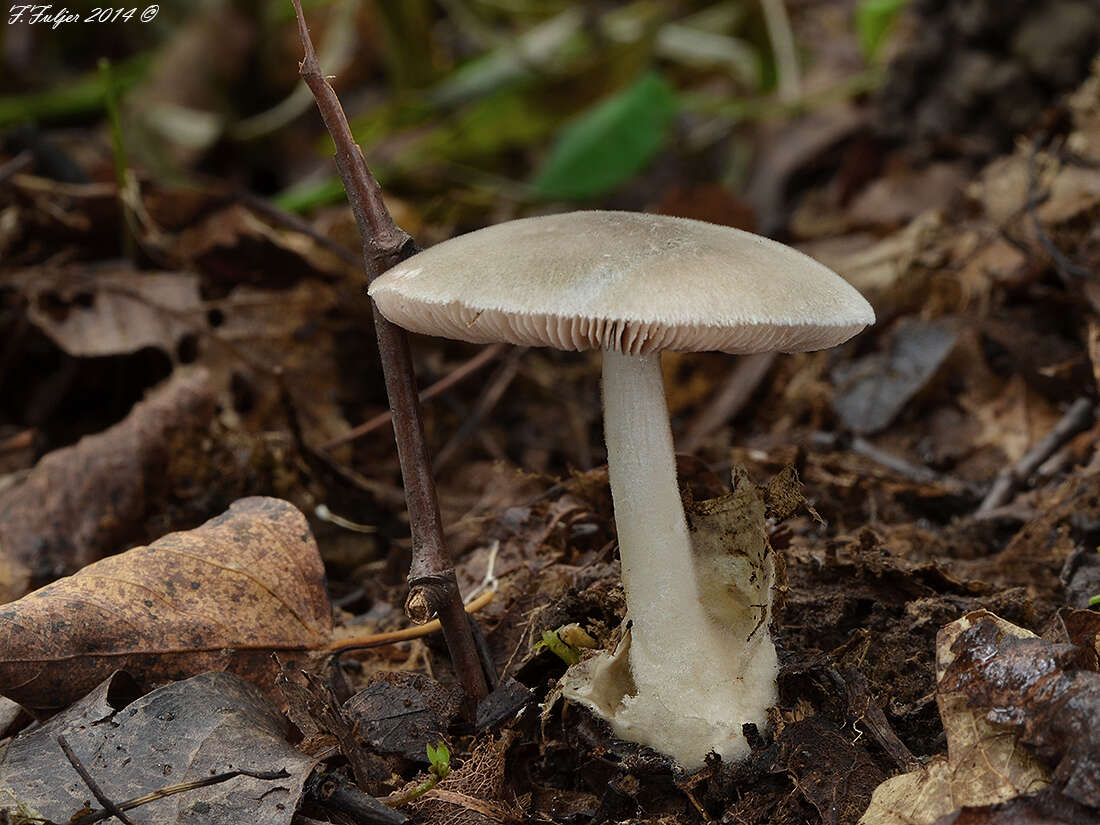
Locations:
414 794
118 146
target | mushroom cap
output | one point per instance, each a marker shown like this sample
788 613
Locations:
623 281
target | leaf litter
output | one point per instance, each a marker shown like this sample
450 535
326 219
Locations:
986 341
134 745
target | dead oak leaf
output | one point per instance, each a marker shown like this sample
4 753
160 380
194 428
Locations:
160 611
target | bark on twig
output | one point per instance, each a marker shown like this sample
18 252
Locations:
336 793
432 582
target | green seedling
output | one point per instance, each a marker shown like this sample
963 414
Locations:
439 759
566 642
439 767
874 20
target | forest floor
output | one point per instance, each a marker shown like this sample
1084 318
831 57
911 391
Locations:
167 350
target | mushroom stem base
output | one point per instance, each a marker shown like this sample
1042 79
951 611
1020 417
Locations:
697 662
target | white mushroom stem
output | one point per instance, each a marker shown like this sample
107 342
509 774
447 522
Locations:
654 545
698 662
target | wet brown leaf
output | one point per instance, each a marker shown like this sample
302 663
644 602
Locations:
1049 692
185 731
220 597
1048 807
82 502
985 762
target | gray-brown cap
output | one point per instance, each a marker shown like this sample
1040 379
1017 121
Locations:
623 281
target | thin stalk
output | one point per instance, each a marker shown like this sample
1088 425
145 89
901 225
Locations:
118 146
432 582
788 73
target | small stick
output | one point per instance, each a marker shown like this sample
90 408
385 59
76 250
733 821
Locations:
494 391
19 163
109 806
391 637
1077 417
917 473
333 791
457 375
730 399
1067 270
433 586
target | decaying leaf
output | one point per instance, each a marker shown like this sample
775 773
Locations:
985 763
402 712
473 794
1049 692
1047 807
185 731
95 311
312 706
874 390
220 597
82 502
734 563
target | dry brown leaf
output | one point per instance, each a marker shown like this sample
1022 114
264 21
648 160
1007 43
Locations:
111 311
260 329
82 502
1013 420
985 763
234 246
886 272
159 612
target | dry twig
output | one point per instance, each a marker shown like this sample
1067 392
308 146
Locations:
454 377
432 582
109 806
1077 417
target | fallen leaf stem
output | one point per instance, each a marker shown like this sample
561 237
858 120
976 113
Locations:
393 636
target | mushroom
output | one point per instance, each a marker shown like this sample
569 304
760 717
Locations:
690 671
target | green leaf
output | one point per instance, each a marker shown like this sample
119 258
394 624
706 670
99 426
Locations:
311 195
873 21
609 143
82 96
439 760
554 643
